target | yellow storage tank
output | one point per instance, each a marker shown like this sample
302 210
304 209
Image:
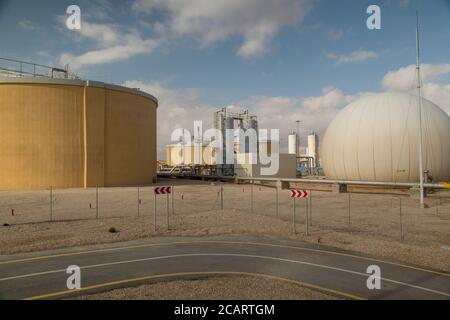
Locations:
71 133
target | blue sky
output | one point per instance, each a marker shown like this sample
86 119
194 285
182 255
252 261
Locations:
288 58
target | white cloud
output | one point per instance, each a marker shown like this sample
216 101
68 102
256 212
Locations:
334 34
131 48
177 109
28 25
405 79
353 57
104 34
281 112
256 21
110 44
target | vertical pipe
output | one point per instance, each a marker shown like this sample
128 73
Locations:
401 221
154 211
293 216
96 202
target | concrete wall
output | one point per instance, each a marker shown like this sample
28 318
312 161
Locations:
72 134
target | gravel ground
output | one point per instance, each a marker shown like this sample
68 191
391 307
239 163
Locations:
215 288
373 229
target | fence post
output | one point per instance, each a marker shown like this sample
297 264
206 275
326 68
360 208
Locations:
293 216
51 203
173 208
276 200
138 201
306 216
167 203
401 221
154 210
349 209
438 202
221 196
251 196
310 207
96 202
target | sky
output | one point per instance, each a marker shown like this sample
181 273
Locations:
285 60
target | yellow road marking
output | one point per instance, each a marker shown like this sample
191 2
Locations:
209 273
225 242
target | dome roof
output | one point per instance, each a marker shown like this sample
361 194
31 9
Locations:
377 136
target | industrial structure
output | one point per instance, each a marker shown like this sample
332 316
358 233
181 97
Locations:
376 139
229 120
65 133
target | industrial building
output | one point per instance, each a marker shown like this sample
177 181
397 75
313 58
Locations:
376 138
307 163
66 133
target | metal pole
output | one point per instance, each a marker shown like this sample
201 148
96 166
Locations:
138 201
401 221
349 208
96 202
293 216
221 196
420 114
251 197
173 208
154 211
310 207
306 216
276 200
51 203
167 203
438 203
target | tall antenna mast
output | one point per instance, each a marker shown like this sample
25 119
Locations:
420 112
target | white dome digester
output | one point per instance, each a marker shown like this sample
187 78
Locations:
376 138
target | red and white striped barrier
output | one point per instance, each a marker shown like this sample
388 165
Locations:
299 194
163 190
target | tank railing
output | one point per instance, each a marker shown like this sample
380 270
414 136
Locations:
20 65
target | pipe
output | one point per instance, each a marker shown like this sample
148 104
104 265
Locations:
356 182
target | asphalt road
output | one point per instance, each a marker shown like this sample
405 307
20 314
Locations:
42 275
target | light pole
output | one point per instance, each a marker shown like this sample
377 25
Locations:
420 114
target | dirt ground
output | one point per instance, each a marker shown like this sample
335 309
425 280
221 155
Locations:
371 226
214 288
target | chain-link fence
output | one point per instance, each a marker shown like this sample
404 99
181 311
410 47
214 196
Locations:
205 206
